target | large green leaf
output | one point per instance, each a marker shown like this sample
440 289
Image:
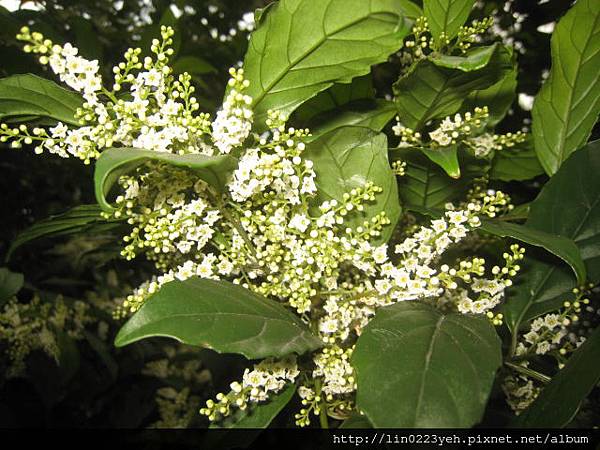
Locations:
10 284
428 91
262 414
418 368
222 316
338 95
569 206
115 162
302 47
567 106
559 401
447 16
342 105
372 114
516 163
349 157
80 219
34 97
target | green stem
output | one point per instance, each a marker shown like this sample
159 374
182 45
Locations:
323 417
110 95
529 372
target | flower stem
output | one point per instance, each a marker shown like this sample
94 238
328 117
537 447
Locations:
529 372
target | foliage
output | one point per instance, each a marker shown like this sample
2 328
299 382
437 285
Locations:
339 214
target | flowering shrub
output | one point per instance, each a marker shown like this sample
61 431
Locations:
370 280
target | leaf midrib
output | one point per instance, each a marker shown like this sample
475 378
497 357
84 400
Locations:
436 331
569 112
313 48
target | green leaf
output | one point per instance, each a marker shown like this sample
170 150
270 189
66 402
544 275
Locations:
262 414
569 206
446 158
351 104
516 163
10 284
567 106
558 403
418 368
79 219
428 91
447 16
222 316
559 246
356 421
30 95
498 98
476 59
372 114
116 162
193 65
520 212
302 47
338 95
347 158
427 185
87 38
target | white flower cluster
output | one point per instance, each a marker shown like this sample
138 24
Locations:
468 130
234 121
549 335
268 376
266 231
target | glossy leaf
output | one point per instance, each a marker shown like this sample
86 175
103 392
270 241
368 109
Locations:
115 162
446 158
418 368
30 95
569 206
347 158
516 163
567 106
428 91
558 403
338 95
10 284
222 316
303 47
498 98
476 59
447 16
79 219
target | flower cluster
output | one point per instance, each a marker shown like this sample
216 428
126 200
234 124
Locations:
467 129
27 327
471 34
268 376
158 113
556 334
266 231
